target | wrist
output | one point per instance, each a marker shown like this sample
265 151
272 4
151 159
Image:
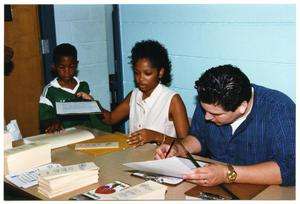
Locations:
231 174
160 139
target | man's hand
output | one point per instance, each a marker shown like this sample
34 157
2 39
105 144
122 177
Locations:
55 126
209 175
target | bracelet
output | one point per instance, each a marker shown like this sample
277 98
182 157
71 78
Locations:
163 139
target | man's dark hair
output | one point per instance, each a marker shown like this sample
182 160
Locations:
224 85
156 53
64 49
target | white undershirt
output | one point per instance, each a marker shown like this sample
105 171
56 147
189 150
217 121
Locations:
239 121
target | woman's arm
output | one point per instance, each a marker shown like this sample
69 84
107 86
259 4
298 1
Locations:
177 113
118 114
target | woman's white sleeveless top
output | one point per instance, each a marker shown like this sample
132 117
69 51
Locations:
153 112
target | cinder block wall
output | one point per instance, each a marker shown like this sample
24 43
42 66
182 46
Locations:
84 26
260 39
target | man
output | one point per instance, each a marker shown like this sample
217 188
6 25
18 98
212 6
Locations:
249 127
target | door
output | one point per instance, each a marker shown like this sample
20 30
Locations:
23 86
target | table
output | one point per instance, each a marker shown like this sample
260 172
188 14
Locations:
111 169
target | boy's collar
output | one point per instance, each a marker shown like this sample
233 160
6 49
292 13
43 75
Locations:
57 85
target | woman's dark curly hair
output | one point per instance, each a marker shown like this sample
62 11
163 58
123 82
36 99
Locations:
156 53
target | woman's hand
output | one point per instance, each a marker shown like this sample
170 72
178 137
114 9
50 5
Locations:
84 95
141 137
209 175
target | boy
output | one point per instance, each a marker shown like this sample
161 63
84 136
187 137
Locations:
65 87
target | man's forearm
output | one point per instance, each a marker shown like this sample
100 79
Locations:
263 173
191 144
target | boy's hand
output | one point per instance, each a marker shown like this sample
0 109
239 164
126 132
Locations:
56 126
84 95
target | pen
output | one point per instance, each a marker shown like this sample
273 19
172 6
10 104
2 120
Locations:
191 158
169 150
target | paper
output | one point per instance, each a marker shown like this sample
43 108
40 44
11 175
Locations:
7 140
158 178
29 178
173 166
82 107
144 191
68 136
67 170
58 181
14 130
102 145
26 156
110 188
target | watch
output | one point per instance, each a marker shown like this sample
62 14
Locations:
231 174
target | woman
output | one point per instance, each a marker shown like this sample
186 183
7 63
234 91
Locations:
156 113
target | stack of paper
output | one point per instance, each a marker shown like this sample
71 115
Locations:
26 157
148 190
29 178
7 140
68 136
61 180
101 145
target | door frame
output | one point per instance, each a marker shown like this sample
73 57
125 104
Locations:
48 38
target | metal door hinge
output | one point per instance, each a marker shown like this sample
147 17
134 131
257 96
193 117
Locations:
45 46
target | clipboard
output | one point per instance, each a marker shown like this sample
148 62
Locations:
81 107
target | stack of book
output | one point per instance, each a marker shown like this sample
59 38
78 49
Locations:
26 157
148 190
58 181
7 140
60 139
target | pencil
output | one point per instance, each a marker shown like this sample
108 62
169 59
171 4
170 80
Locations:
169 150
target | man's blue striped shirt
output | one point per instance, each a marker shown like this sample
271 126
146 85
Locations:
267 134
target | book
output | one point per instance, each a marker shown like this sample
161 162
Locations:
78 107
24 157
60 139
101 145
149 190
61 180
110 188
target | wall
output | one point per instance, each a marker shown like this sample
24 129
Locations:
260 39
85 26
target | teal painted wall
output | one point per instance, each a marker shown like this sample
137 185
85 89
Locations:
260 39
84 26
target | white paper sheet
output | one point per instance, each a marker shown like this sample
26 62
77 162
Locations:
173 166
81 107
